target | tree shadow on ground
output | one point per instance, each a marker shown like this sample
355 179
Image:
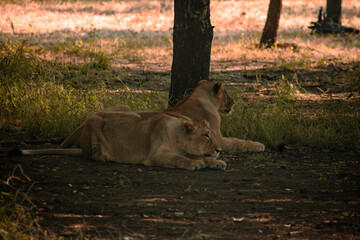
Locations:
327 78
271 195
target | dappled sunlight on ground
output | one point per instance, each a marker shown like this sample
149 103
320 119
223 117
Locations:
238 27
289 194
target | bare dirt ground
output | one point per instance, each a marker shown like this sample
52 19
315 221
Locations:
297 194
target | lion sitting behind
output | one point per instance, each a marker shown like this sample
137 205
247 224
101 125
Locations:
206 102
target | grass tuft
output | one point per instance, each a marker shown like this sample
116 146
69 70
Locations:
16 218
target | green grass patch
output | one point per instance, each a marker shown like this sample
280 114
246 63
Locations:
43 99
47 109
332 125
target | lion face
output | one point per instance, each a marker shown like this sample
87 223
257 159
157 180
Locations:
200 139
226 102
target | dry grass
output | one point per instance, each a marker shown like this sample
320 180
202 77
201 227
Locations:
238 26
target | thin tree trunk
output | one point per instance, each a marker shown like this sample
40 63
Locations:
192 40
268 37
333 11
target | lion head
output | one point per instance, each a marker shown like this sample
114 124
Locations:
220 94
200 140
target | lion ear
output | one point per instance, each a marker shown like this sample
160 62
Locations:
189 127
202 81
217 87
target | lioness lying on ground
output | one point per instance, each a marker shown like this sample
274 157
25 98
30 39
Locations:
206 102
165 139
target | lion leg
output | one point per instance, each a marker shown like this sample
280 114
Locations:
231 144
99 147
73 139
174 160
215 164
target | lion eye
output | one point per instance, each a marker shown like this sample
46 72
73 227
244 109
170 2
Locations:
207 137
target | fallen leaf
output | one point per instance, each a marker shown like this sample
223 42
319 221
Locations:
238 219
179 214
345 214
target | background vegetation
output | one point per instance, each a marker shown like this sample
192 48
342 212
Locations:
54 74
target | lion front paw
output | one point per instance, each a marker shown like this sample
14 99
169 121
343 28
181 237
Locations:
215 164
256 147
196 165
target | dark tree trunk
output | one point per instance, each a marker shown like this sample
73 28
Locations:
268 37
192 39
333 11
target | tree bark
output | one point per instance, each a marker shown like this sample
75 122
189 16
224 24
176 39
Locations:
269 34
192 40
333 11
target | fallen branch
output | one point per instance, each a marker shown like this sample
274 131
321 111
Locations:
327 26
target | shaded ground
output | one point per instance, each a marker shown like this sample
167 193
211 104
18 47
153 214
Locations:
272 195
300 194
329 78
